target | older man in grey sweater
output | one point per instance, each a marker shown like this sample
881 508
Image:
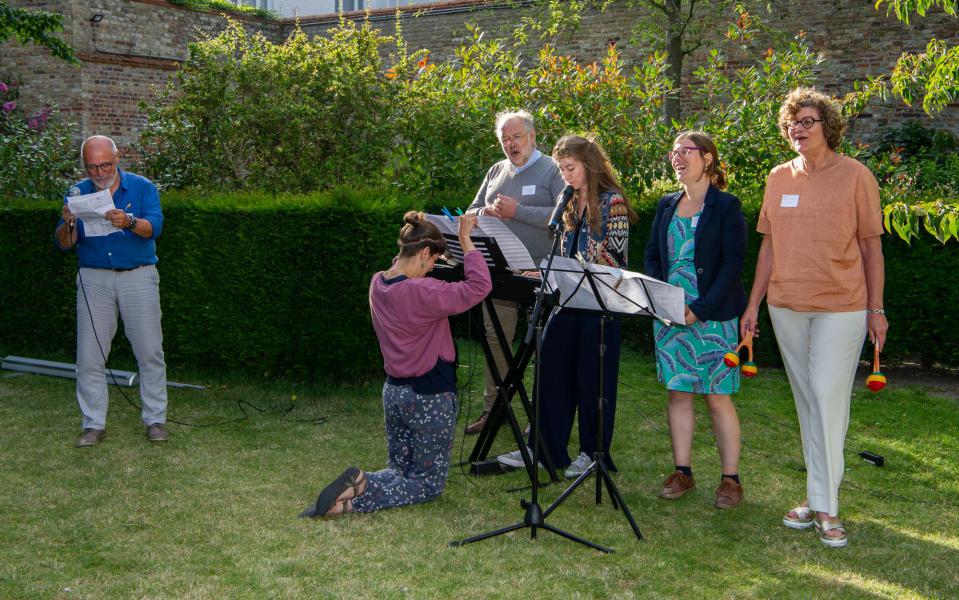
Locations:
521 190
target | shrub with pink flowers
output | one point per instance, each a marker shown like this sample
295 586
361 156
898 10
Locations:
38 156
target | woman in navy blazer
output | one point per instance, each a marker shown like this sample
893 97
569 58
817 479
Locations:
698 242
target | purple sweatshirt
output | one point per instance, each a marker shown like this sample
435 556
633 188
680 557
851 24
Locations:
410 316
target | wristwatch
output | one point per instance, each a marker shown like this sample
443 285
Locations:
133 223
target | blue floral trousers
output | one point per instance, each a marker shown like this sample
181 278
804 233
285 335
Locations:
419 442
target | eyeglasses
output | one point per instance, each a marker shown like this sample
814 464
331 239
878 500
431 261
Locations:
104 167
516 138
683 152
806 123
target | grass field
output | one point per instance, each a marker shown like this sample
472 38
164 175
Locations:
212 513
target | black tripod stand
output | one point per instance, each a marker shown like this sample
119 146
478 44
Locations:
534 517
598 465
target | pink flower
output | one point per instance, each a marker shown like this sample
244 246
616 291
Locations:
9 106
3 87
38 120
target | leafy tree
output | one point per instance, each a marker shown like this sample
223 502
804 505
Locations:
37 27
678 28
933 74
904 8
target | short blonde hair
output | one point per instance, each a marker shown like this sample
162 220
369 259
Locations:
833 124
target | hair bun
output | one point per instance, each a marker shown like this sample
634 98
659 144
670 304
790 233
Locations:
414 218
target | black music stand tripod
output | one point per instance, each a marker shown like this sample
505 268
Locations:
534 517
512 382
601 290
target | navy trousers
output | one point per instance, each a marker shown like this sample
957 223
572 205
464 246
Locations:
569 366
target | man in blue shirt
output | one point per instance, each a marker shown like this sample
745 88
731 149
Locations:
117 274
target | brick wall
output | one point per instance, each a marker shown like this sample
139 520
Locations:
125 59
139 43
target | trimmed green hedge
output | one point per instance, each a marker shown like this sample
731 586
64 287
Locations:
278 285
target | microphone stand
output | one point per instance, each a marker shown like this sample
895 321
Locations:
534 517
598 465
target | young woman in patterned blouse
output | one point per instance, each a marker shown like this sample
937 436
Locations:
595 228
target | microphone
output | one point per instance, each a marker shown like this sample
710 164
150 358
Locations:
73 193
564 199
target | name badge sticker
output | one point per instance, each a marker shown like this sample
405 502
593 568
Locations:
695 221
790 201
529 190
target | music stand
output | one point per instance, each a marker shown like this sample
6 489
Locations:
508 256
534 517
600 289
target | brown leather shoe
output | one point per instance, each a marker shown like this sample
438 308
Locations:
90 437
728 494
676 486
477 425
157 433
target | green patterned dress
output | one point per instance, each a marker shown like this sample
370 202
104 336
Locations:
690 358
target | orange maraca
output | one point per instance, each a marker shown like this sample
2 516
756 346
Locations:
731 359
876 381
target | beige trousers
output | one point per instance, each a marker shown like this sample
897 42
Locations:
821 352
508 314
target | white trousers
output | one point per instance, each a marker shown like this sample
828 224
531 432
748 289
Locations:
821 352
135 296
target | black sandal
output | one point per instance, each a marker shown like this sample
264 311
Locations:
329 494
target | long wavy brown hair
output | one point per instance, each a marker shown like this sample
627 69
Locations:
599 178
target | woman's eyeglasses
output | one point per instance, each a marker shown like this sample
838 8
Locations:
806 123
683 152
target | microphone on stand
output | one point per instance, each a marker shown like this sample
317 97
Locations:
73 193
564 199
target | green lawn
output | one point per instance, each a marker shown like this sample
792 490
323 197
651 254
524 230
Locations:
212 513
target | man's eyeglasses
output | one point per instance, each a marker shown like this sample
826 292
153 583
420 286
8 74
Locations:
104 167
683 152
806 123
516 139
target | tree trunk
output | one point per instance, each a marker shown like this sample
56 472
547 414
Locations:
674 58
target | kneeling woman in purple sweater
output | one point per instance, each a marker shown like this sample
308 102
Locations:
410 314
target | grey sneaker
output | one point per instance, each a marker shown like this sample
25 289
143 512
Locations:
578 466
90 437
157 433
515 459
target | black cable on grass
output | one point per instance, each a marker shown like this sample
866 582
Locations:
239 403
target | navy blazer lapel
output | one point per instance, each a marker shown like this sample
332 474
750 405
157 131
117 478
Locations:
668 211
710 206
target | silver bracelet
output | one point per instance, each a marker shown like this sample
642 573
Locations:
877 311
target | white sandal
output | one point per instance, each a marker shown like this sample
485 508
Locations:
805 520
825 526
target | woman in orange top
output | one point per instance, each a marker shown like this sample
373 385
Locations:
821 263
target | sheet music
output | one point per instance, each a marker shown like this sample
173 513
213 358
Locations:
622 292
91 209
516 254
514 251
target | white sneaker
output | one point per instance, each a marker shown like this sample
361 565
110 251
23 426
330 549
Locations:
515 459
578 466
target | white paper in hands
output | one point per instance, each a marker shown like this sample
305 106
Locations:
92 210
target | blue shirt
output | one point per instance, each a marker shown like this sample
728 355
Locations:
123 249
